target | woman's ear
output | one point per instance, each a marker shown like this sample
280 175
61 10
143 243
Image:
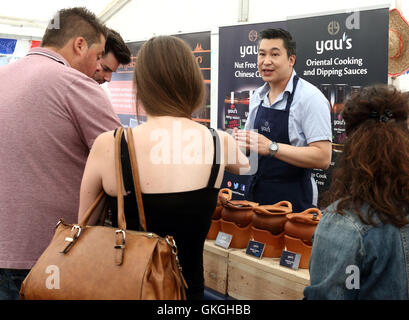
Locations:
80 46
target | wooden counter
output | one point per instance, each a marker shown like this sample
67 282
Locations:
215 260
241 276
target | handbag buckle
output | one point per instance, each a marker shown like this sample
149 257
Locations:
120 254
123 234
71 240
78 230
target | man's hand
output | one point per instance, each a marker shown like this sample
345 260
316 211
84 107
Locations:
253 141
315 155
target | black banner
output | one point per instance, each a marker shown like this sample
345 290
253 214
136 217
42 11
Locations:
338 53
238 78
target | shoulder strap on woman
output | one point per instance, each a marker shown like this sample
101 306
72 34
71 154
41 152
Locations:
216 159
136 180
126 166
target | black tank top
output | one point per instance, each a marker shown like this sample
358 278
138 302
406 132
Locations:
184 215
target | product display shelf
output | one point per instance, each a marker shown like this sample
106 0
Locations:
244 277
215 260
251 278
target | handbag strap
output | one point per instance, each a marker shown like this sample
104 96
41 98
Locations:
91 209
216 159
136 180
119 182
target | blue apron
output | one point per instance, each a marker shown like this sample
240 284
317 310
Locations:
276 180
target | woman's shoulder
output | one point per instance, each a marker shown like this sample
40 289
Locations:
105 136
346 217
103 140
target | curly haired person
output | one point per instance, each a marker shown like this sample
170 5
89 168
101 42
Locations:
361 245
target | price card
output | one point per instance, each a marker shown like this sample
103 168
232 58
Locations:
290 259
223 240
255 248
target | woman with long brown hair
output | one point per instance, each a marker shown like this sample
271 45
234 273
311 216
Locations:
361 245
181 162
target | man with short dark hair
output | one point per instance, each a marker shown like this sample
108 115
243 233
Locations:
116 53
289 126
51 111
78 36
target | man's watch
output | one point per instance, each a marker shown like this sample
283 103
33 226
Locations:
273 148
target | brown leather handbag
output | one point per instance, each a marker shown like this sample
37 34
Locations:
101 262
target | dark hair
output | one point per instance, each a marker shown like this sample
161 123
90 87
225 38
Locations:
168 79
289 43
373 167
72 23
117 46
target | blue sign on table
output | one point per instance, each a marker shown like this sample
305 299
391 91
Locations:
255 248
290 259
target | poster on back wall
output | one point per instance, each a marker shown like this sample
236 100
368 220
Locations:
238 78
121 88
338 53
121 85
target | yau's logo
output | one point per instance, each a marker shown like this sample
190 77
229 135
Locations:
352 21
248 50
266 127
53 280
337 44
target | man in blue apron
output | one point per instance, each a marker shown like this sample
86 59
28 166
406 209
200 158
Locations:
289 126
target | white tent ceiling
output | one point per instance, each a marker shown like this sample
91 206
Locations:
141 19
30 18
